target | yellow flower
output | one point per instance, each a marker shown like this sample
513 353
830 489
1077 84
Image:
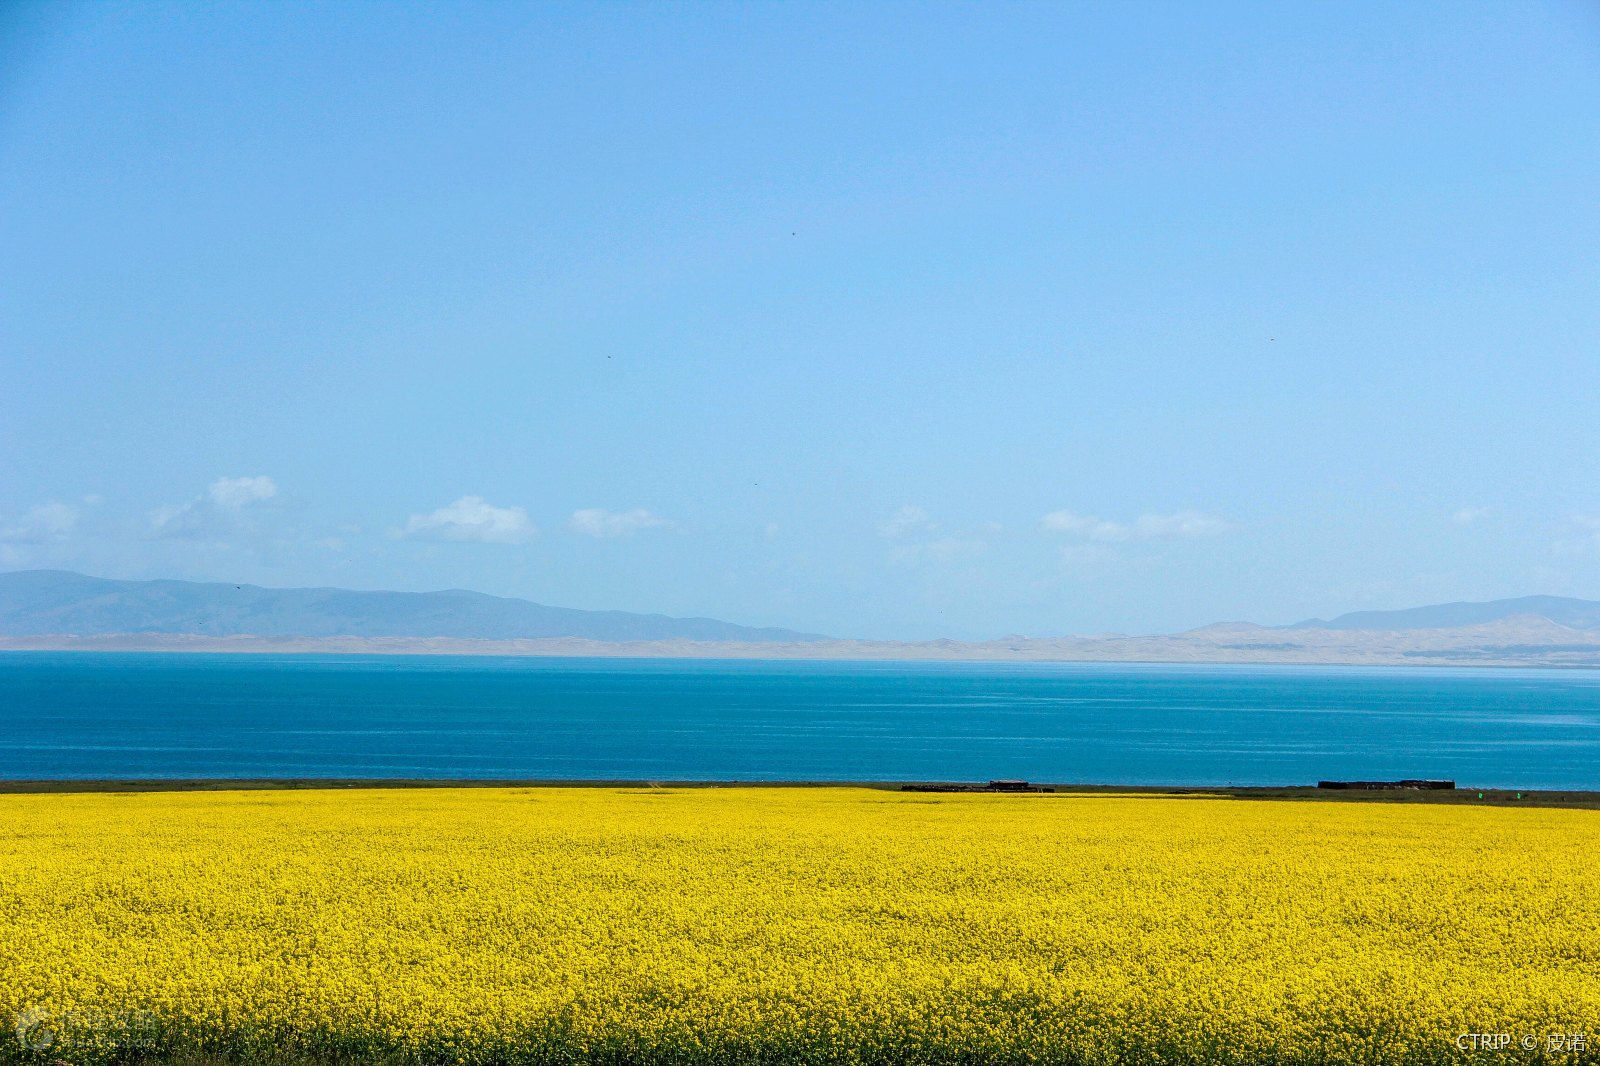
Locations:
803 925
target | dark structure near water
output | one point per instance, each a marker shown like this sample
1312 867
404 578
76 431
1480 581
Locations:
1373 786
992 786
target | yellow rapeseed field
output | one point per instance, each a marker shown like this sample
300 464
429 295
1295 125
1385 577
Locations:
796 925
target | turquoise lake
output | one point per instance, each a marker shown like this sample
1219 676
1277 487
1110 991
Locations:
68 715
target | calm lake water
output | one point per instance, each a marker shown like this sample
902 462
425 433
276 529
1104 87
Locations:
103 715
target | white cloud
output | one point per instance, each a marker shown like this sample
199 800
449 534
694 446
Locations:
44 524
1083 525
1470 515
471 518
925 543
597 522
235 493
1184 525
171 520
224 509
906 521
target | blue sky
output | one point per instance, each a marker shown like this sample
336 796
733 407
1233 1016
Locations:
877 320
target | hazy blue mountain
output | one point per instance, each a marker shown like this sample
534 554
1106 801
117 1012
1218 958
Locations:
40 602
1579 614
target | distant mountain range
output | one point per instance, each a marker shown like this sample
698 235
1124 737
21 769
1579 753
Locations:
52 609
57 602
1575 614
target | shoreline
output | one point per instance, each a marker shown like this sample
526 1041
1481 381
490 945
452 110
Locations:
1450 649
645 655
1460 796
